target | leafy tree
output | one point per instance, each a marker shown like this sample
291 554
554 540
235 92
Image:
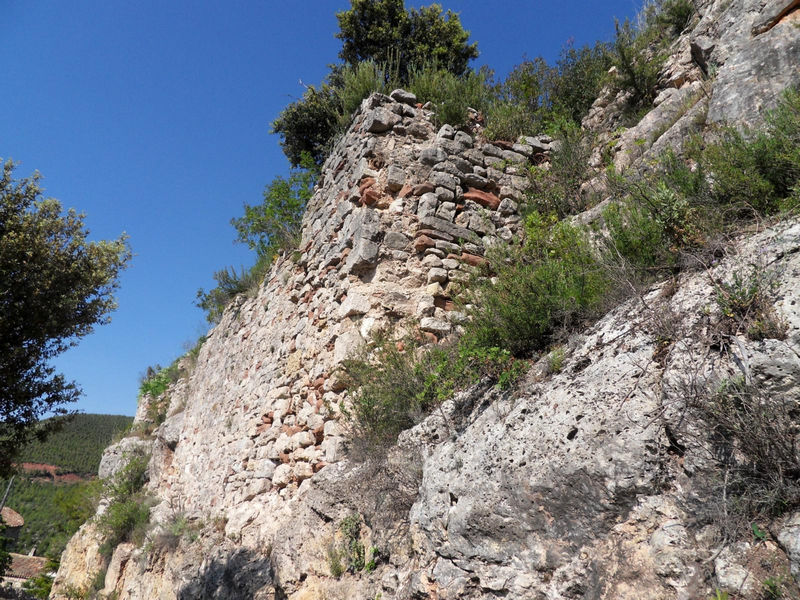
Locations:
385 32
398 41
581 74
275 223
267 228
307 125
55 285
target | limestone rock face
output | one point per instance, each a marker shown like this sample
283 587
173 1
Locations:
595 481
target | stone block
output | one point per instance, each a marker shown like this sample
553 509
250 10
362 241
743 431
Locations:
354 304
282 476
437 275
446 131
395 240
442 179
403 96
438 327
362 258
395 178
432 156
380 120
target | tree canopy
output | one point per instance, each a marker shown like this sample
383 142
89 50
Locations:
385 32
55 286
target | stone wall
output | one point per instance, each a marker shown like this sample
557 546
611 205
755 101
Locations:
403 211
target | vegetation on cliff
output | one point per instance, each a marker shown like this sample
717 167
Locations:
430 57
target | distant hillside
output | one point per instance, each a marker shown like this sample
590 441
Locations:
78 447
52 512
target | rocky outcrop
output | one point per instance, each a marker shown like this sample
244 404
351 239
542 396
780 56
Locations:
594 480
729 67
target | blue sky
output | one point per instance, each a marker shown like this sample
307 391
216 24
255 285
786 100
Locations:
152 117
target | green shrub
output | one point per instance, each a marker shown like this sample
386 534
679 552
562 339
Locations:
451 94
675 15
275 224
759 171
390 390
553 283
128 512
746 303
581 73
231 284
522 101
397 383
358 82
308 125
558 188
636 238
507 120
536 96
663 214
638 59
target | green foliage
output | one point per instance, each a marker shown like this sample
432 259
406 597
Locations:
550 284
274 224
772 588
451 94
335 563
676 15
558 189
396 383
349 554
267 228
759 171
128 512
664 213
231 284
639 52
638 60
746 302
555 359
674 209
536 96
5 557
581 73
396 43
308 125
636 237
383 31
361 80
52 512
78 445
55 286
392 392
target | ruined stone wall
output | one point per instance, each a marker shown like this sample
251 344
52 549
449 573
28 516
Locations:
402 211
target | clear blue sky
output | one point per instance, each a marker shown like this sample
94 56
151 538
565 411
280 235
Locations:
152 117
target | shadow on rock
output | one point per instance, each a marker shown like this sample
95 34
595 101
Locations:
238 575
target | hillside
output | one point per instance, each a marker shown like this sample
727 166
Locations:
78 446
556 366
55 492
